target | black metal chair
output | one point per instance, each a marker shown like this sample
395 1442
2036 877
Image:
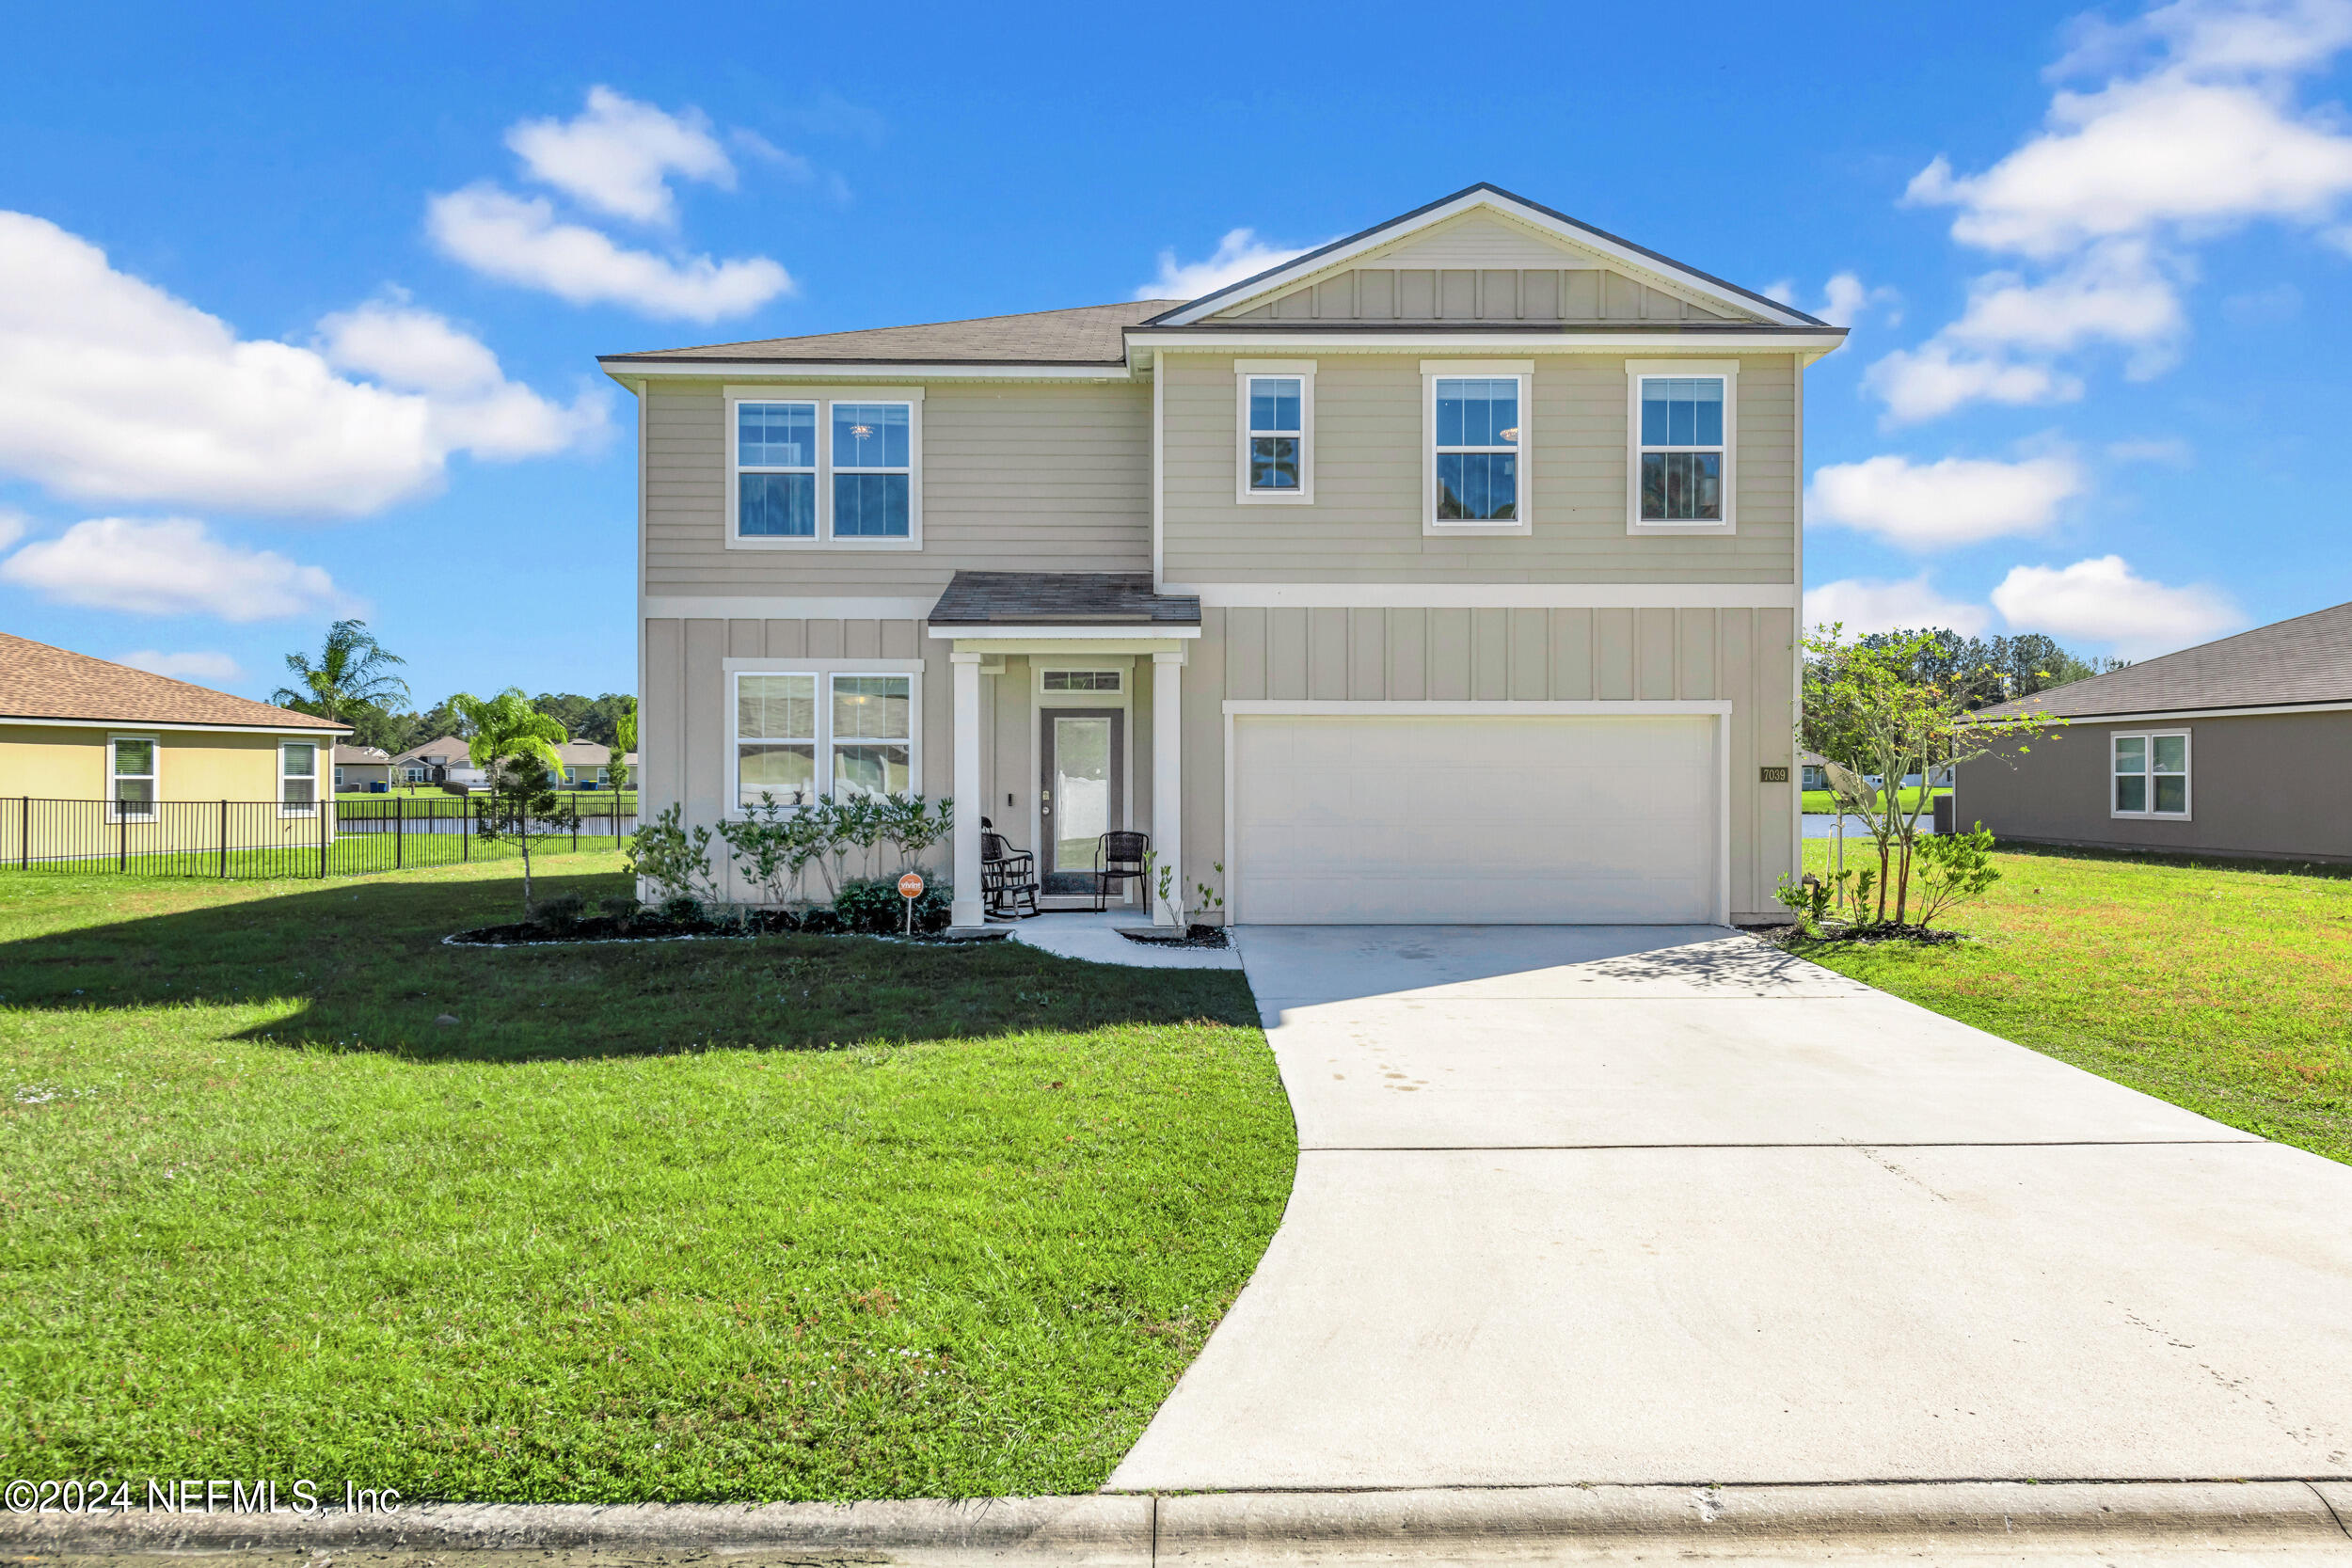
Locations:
1118 856
1008 877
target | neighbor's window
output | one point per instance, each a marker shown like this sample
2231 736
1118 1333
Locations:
298 776
131 781
1682 449
1278 434
2152 774
775 460
1478 449
873 735
872 470
1079 680
775 739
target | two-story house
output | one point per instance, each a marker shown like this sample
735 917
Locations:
1449 572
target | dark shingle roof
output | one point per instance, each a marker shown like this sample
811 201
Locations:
1061 598
2308 659
37 681
1090 335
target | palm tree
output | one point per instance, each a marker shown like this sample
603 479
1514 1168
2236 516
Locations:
351 671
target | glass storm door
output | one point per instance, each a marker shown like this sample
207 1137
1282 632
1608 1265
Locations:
1081 772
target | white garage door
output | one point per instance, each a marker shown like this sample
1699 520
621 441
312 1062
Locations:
1479 821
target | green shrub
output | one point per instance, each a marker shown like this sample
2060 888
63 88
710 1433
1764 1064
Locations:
872 905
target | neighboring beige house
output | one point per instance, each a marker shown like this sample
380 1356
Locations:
447 760
586 764
152 758
2238 747
359 767
1447 572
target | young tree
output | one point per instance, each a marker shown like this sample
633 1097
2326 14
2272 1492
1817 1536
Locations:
623 742
1869 712
352 669
515 744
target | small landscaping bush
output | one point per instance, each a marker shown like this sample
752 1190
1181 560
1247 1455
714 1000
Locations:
872 905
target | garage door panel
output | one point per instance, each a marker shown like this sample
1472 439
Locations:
1474 820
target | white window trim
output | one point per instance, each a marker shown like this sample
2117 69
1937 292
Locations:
1245 372
2147 755
824 398
736 469
1431 371
824 669
1635 371
283 808
155 778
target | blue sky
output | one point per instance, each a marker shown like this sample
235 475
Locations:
299 305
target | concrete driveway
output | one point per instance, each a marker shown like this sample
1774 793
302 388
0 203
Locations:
1586 1204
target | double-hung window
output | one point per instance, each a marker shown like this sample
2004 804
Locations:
2151 774
842 469
800 736
1681 419
1276 420
1476 417
297 778
775 476
131 778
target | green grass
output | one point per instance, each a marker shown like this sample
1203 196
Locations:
2224 988
799 1217
350 854
1823 800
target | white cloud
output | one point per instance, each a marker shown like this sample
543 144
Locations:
12 526
1926 506
190 666
1846 299
1241 254
2271 306
2099 600
1920 384
1910 605
170 566
2114 290
619 154
473 404
520 240
112 389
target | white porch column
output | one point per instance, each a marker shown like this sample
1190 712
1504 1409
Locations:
1168 776
967 908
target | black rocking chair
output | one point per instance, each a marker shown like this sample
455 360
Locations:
1118 856
1008 877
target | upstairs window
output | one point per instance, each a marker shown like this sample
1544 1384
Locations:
1477 448
131 781
1681 419
775 452
873 470
2152 774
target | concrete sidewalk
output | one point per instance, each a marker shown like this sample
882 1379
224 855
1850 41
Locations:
1648 1208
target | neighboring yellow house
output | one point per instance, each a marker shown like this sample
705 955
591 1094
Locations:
100 759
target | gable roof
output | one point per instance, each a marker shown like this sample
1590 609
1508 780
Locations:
360 756
1089 335
584 754
1575 233
2285 664
39 681
447 745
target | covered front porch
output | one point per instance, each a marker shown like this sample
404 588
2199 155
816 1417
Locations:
1065 725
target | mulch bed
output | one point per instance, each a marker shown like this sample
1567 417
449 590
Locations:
1195 936
1918 936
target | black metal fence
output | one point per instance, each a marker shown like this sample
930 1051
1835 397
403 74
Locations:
271 839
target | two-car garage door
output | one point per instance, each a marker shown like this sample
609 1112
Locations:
1451 819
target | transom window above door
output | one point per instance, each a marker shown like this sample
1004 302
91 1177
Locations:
837 470
1276 420
1476 458
1681 458
1080 680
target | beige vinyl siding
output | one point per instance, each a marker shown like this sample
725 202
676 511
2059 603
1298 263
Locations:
1469 293
1746 656
1365 523
1017 478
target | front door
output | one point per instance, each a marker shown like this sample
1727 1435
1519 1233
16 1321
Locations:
1082 779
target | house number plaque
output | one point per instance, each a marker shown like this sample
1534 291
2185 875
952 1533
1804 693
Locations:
1772 775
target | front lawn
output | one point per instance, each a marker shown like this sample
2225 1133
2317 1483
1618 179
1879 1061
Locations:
802 1217
2225 988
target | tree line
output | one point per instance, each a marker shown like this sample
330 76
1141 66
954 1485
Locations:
352 682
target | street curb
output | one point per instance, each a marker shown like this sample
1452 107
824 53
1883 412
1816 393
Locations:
1208 1528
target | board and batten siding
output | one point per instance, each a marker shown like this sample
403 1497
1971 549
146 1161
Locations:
1365 524
1476 294
1030 477
1743 657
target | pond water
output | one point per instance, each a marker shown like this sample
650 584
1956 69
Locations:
1823 824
